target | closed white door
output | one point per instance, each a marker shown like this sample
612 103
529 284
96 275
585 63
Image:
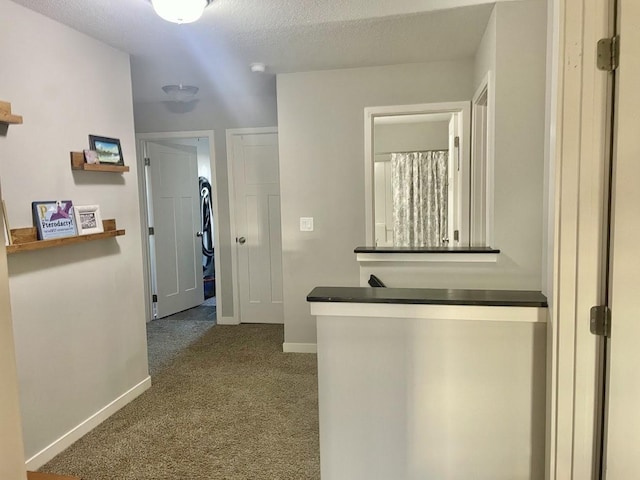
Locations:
258 234
177 246
622 454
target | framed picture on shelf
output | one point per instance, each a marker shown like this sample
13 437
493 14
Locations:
88 219
53 219
108 149
91 156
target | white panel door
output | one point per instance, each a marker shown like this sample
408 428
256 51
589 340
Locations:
259 243
176 222
623 427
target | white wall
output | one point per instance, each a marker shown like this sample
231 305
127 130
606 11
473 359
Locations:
550 160
321 134
519 138
410 136
11 442
217 115
78 311
485 59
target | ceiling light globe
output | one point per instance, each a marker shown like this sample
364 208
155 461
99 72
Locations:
179 11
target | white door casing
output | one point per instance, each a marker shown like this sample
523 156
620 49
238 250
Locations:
622 445
255 193
482 163
176 222
145 206
578 126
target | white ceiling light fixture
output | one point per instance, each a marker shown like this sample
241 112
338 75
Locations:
181 93
180 11
258 67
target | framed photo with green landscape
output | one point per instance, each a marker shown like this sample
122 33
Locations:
109 149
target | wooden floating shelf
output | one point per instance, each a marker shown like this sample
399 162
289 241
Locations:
6 116
25 239
78 163
48 476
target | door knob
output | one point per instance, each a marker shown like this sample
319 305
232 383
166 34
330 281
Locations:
198 234
242 240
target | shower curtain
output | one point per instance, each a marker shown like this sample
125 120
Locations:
419 186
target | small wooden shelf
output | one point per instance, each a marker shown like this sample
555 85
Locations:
25 239
48 476
78 163
6 116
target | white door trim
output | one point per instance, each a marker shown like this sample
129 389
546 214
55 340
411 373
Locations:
487 167
141 138
230 133
578 203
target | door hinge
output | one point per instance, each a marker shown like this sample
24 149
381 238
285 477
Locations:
600 320
154 298
456 142
147 162
456 235
608 53
152 231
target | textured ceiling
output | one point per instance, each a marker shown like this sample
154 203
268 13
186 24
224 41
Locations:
287 35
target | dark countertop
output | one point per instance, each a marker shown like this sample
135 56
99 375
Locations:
426 250
428 296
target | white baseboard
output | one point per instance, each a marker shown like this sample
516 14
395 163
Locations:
47 453
288 347
227 321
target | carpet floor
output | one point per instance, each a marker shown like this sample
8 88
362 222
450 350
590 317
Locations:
229 406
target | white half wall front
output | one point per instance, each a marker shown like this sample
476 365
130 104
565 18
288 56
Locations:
78 311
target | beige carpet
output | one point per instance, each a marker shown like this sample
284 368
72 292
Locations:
231 406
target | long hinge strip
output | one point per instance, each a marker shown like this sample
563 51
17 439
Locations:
608 53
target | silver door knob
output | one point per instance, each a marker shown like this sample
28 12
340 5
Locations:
199 234
242 240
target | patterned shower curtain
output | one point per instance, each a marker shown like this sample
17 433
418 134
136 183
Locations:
419 186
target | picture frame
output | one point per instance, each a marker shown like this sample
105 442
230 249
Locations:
88 219
108 149
53 219
91 157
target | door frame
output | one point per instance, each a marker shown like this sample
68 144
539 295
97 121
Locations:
141 139
482 166
230 134
578 146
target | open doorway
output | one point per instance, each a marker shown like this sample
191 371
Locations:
177 182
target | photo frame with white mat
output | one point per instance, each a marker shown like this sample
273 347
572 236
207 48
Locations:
88 219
